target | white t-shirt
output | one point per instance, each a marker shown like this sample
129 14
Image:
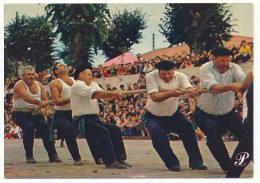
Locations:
81 101
154 83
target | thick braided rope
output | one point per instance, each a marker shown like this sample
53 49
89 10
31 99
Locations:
35 110
132 92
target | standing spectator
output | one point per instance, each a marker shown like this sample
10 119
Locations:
148 67
140 67
120 70
135 68
203 58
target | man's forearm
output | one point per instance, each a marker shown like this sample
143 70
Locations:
102 94
218 88
61 101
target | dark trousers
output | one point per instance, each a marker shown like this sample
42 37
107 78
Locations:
212 127
243 153
28 123
179 123
104 140
64 124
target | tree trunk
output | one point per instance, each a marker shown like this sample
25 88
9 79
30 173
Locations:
76 46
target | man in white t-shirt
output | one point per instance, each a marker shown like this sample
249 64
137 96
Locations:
164 117
106 138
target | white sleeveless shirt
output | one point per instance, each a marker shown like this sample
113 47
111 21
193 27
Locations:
66 93
20 103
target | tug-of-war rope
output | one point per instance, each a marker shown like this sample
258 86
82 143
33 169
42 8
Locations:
35 109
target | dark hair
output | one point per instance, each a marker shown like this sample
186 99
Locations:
164 65
131 114
55 68
81 68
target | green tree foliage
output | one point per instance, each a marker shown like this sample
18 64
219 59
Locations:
214 25
124 31
82 29
30 40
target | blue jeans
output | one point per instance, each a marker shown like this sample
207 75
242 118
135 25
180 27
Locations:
63 123
211 126
179 123
28 123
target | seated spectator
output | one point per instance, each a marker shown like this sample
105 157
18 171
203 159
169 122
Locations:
240 97
142 81
112 70
157 59
108 119
14 133
130 69
179 62
244 52
197 61
122 87
194 81
235 55
186 64
183 108
238 107
251 45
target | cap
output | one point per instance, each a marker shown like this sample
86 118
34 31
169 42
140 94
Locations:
221 51
164 65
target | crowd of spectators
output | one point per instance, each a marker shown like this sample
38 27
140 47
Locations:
243 53
127 112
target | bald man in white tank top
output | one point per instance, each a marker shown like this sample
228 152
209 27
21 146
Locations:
28 92
61 92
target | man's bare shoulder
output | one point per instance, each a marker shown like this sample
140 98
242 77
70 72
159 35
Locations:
55 83
19 85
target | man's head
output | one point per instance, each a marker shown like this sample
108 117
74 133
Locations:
221 59
28 74
165 70
83 73
59 68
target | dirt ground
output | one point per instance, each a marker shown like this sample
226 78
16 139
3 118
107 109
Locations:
146 162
